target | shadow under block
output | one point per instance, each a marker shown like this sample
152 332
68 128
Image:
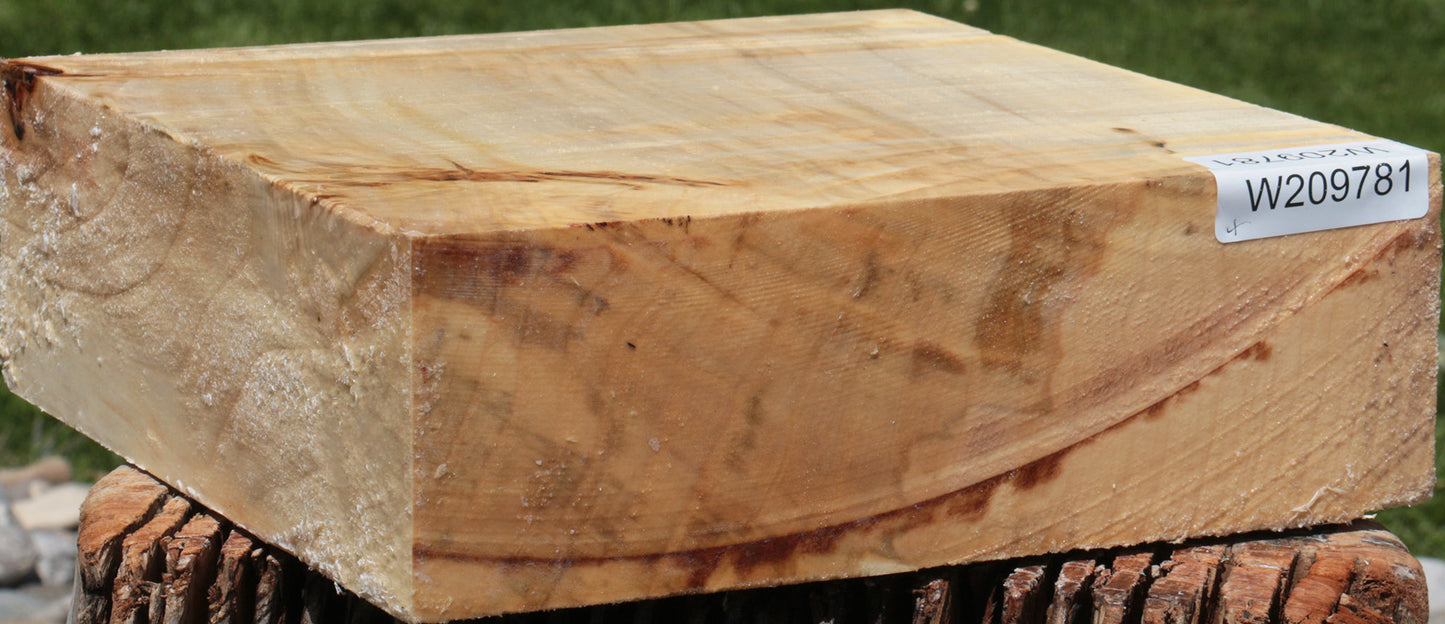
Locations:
494 323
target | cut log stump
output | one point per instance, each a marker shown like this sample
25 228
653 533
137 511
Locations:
184 564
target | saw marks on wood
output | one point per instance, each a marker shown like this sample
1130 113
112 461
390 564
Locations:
1330 575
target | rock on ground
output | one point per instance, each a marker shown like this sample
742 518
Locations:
55 556
23 482
50 604
57 507
17 551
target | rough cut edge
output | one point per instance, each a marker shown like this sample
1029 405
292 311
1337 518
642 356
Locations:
72 326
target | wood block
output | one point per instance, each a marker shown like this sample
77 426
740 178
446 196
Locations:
509 322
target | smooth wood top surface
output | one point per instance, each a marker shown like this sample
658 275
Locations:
549 129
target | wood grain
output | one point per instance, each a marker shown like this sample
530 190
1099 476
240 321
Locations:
1074 580
509 322
1118 591
1254 580
118 504
932 603
1371 578
191 566
1025 595
1186 592
142 560
230 599
275 589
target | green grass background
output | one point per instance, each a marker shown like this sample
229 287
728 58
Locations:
1377 67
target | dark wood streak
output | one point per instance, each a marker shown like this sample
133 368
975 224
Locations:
872 268
1146 138
928 356
963 505
1400 243
473 267
367 175
18 78
1359 276
968 503
1259 352
1153 412
1052 244
1023 330
1224 322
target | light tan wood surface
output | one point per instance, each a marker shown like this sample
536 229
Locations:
517 321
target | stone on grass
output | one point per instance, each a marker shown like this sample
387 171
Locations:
35 604
19 605
17 551
52 470
55 556
57 508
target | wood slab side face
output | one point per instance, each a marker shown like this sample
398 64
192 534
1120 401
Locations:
510 322
1162 386
200 321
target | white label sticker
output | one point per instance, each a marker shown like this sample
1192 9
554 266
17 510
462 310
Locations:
1318 187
